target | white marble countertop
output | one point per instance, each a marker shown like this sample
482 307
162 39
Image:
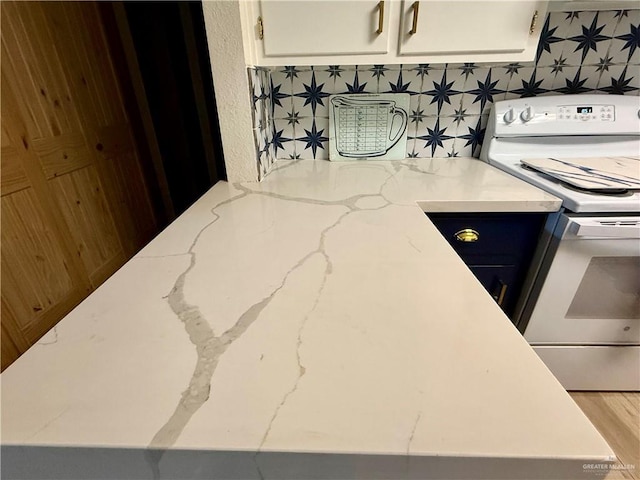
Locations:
312 324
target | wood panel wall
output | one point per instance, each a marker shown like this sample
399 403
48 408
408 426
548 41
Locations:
74 202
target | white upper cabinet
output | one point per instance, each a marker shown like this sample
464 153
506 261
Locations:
321 27
467 27
345 32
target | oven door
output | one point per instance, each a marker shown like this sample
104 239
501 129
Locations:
591 293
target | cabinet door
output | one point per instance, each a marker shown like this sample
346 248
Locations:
319 27
476 26
73 198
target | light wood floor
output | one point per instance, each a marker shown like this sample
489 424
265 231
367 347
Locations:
616 415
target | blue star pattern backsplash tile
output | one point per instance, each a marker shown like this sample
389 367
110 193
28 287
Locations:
267 101
579 52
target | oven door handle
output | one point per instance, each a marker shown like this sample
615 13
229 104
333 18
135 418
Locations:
619 227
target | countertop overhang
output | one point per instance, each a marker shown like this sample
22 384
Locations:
314 325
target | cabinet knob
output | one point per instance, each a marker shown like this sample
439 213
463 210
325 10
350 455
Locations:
467 235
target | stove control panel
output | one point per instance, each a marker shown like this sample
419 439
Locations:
565 115
586 113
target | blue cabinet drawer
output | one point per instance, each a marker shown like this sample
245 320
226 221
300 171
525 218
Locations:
497 248
491 238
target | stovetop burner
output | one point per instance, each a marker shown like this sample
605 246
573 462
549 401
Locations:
609 192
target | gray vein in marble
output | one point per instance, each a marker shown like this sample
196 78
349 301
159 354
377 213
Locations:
49 422
371 202
413 432
391 176
350 202
396 166
163 256
412 244
413 167
55 337
301 368
285 164
210 347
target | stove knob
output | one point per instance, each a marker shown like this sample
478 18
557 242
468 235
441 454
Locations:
527 114
509 116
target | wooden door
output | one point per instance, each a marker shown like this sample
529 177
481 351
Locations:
318 27
470 27
74 202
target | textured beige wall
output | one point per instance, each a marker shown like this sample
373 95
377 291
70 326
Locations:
231 85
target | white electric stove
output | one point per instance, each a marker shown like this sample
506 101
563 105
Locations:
581 307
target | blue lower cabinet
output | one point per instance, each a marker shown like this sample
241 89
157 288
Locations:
497 247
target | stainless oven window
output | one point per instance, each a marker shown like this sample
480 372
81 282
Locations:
610 288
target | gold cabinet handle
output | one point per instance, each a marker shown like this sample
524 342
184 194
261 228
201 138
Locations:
503 291
414 26
260 28
467 235
380 17
534 21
